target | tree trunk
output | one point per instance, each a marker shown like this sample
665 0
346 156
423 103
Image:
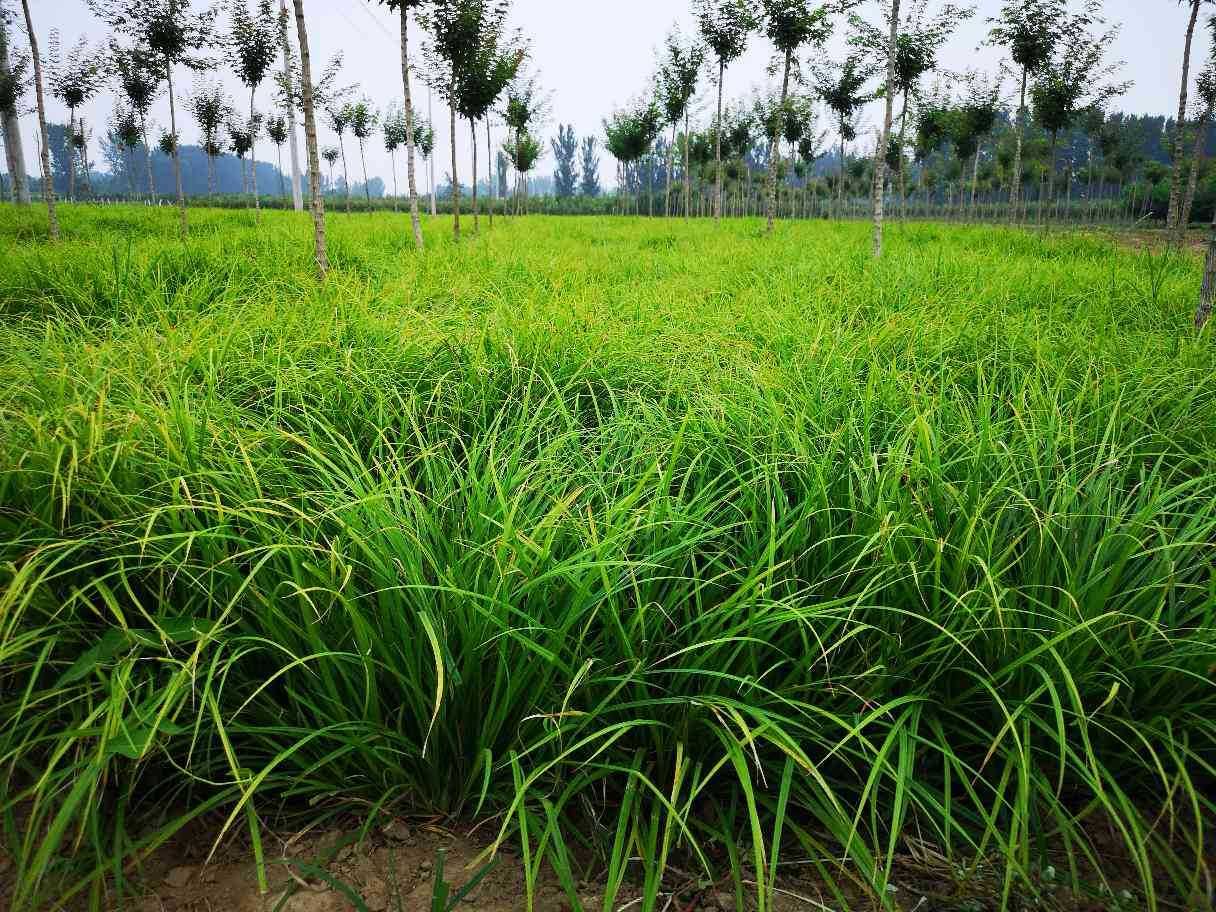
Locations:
717 146
316 202
210 175
48 185
410 179
903 185
177 159
11 126
71 150
771 208
880 156
687 167
345 171
253 163
297 191
282 186
392 153
430 162
489 172
143 126
1172 216
476 213
367 190
1207 293
455 179
671 155
1015 187
975 178
1198 154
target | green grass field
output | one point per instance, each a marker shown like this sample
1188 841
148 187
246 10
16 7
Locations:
655 545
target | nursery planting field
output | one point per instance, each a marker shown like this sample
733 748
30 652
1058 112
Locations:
682 560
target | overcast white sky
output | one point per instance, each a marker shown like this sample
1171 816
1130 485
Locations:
593 56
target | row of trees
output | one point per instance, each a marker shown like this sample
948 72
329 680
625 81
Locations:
1057 51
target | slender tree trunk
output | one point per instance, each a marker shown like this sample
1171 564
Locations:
903 186
410 179
84 160
48 188
671 156
345 171
490 172
455 179
392 153
71 150
1172 216
253 162
717 146
430 162
1015 188
210 175
367 190
476 214
880 156
297 191
1198 154
687 168
11 125
316 202
975 178
773 149
282 185
177 159
143 126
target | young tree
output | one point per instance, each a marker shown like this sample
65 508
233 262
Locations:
241 137
126 135
725 25
1075 78
211 108
1205 95
491 65
1177 151
394 129
841 88
424 145
286 78
363 121
523 110
14 83
679 72
339 113
1029 30
523 152
277 133
455 27
971 121
565 151
73 78
884 136
630 133
48 189
132 67
791 25
402 8
917 45
331 154
310 137
253 39
589 184
175 36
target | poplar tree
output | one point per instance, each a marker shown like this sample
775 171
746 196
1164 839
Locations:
254 41
73 76
726 26
679 72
